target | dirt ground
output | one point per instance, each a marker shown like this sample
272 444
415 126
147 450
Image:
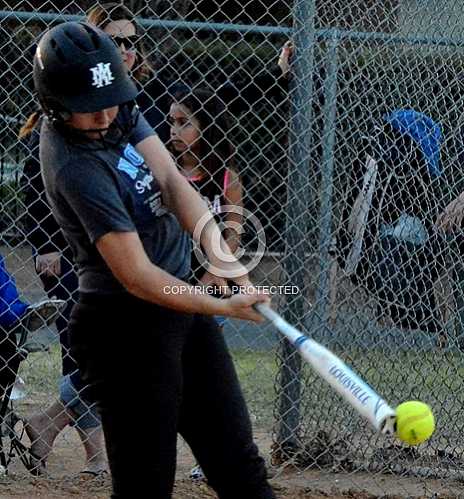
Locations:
79 487
183 490
64 481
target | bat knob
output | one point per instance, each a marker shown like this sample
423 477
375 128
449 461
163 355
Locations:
388 426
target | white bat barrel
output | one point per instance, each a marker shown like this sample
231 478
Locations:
346 382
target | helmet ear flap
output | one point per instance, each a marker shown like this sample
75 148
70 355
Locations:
55 111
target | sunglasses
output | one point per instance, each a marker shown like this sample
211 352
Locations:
129 42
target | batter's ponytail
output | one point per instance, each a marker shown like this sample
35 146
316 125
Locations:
30 124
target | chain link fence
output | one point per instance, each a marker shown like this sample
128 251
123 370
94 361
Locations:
347 160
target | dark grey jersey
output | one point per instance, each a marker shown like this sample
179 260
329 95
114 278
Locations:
94 191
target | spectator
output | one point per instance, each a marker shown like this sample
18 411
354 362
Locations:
205 155
387 239
153 98
54 265
285 58
450 219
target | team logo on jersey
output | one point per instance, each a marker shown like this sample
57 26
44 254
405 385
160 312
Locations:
102 75
215 205
132 163
128 168
155 203
132 155
144 183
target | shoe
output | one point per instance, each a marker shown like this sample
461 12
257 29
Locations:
42 313
196 474
18 392
38 342
92 475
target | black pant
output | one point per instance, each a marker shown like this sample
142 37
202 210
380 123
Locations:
155 373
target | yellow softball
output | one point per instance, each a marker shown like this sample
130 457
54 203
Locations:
415 422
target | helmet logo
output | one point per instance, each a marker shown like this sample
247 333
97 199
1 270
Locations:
102 75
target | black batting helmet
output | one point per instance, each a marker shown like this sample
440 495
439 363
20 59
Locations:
78 68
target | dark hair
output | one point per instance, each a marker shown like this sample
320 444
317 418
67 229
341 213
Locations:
216 149
101 15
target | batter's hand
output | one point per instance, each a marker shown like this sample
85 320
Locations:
240 306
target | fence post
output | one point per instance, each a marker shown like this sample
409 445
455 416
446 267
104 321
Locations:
325 217
297 217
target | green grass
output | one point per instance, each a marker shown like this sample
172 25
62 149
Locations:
434 377
257 371
41 373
